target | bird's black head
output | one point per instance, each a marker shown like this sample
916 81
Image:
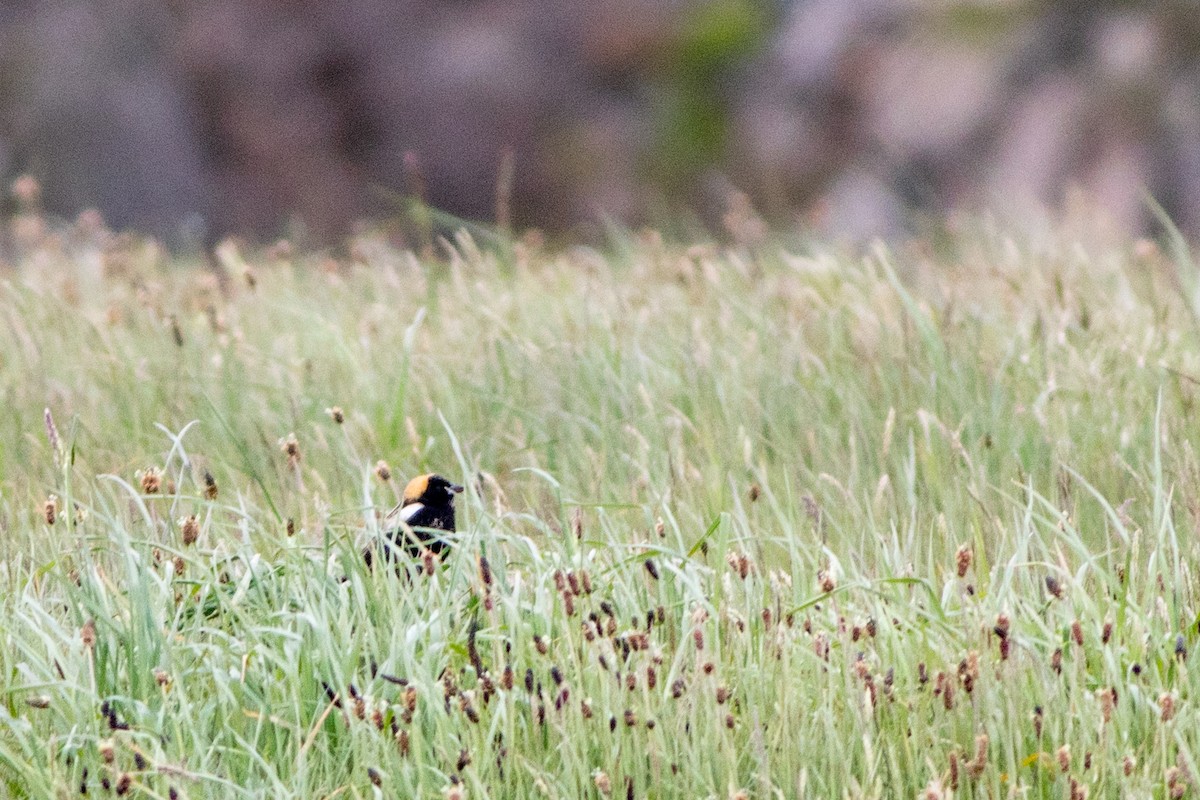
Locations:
431 490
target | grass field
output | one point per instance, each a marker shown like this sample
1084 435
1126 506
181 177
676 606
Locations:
741 521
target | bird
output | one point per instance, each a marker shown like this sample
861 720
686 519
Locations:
426 507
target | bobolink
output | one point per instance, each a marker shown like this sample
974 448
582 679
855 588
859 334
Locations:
427 506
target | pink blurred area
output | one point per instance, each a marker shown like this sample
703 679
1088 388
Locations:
847 116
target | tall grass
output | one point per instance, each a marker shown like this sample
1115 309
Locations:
746 521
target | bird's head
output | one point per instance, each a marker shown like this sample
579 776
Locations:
431 490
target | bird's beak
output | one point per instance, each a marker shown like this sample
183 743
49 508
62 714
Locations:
454 487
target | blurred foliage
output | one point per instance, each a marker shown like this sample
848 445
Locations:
692 89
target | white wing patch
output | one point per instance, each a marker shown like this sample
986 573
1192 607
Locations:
409 511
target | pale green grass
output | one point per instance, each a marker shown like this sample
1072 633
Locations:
702 431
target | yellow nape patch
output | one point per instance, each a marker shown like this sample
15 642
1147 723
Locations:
416 488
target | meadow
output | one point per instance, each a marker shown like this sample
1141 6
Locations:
754 519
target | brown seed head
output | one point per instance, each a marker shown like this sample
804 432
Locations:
978 764
290 446
189 527
336 414
1128 765
825 581
151 479
1108 702
383 471
1064 758
1054 587
50 509
602 782
87 634
210 486
962 560
1166 706
1077 633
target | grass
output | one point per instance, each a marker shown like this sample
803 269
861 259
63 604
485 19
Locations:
746 521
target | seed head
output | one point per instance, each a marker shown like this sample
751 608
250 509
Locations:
978 764
1064 758
1077 633
1107 632
87 634
825 581
336 414
1054 587
962 560
1177 782
50 509
189 527
210 486
1108 702
290 446
602 782
1128 765
1166 706
151 479
383 471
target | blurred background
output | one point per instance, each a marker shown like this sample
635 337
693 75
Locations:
265 118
